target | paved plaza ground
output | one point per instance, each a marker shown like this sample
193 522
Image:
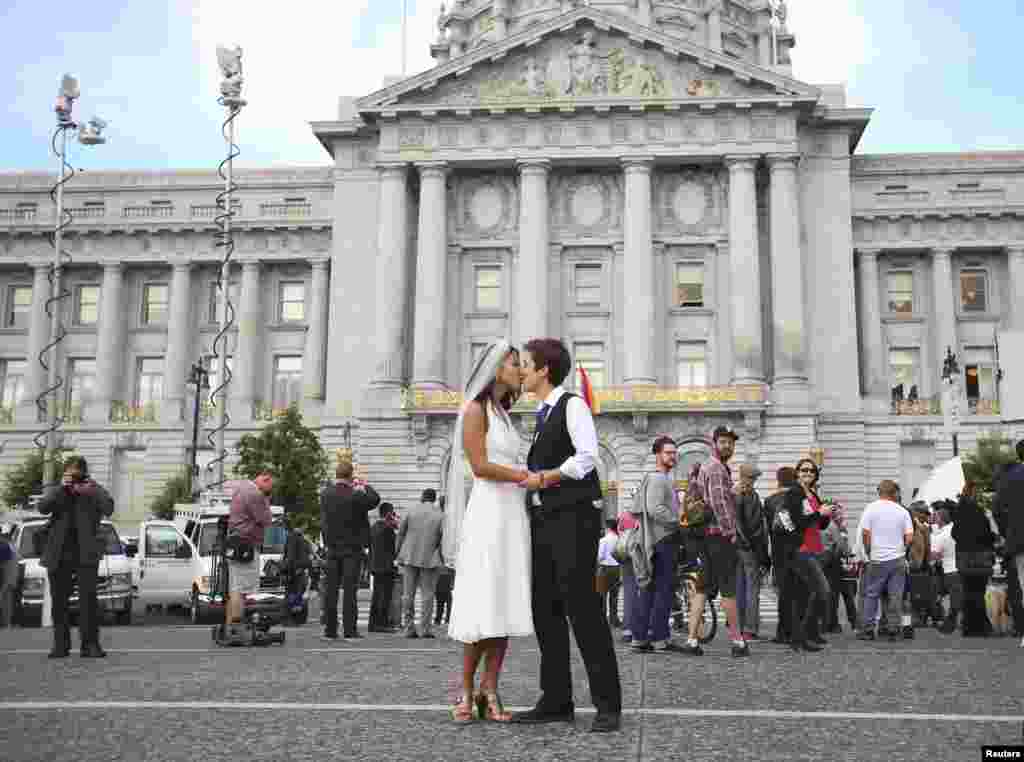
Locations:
165 692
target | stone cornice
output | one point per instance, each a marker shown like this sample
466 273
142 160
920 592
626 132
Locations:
166 180
914 163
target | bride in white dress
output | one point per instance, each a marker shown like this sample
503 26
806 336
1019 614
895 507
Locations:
489 537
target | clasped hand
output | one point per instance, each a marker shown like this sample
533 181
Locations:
531 482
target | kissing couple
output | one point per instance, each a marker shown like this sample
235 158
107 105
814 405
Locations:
524 540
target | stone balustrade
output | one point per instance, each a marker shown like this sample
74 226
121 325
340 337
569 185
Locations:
933 406
162 211
124 412
266 412
286 210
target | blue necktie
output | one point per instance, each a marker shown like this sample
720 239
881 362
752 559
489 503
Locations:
542 415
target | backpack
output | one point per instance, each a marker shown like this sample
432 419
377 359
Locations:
694 511
920 545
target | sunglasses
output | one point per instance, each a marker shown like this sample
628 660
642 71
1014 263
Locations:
807 471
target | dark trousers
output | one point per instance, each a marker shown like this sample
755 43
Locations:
62 580
1014 595
783 590
564 544
442 607
806 575
650 617
847 590
975 617
344 572
380 603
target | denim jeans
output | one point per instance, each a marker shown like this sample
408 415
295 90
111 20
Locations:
884 576
650 617
806 576
629 596
748 591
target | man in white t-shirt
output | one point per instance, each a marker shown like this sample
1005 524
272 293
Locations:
886 530
609 573
944 549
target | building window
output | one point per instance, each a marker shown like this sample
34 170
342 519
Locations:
214 370
590 355
689 284
81 383
292 301
287 381
901 292
587 283
905 372
980 374
154 303
19 306
692 363
488 288
973 290
87 305
212 316
13 390
149 385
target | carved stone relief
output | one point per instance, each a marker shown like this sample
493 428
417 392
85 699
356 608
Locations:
586 203
484 206
688 202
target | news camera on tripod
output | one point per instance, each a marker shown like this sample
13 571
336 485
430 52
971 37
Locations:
248 519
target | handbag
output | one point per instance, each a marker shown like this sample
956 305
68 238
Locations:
975 563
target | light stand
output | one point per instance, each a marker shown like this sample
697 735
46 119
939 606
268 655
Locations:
199 377
230 62
950 376
89 135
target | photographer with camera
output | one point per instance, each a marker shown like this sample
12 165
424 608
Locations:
248 519
72 552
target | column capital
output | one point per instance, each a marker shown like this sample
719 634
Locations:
432 168
392 169
40 264
250 264
638 163
533 166
319 263
944 252
867 253
182 265
782 161
114 265
1015 252
740 162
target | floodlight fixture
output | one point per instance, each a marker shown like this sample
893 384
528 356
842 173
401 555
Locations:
91 134
69 87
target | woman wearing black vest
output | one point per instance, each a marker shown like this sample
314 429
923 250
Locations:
565 529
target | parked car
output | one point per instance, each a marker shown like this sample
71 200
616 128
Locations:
113 583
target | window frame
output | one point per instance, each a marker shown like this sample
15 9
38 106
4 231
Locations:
5 374
213 301
274 371
9 313
602 380
593 267
987 366
983 272
916 379
281 286
698 264
146 286
69 395
137 397
498 267
679 344
889 291
78 303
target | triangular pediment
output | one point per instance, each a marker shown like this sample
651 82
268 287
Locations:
582 58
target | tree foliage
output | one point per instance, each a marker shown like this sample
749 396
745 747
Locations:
292 452
25 480
992 454
177 489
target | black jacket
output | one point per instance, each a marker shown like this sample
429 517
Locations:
297 555
85 509
382 548
793 502
1009 508
343 518
971 529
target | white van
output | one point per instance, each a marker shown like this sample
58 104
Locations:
165 565
113 583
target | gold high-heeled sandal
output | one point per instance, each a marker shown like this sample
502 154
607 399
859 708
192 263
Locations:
489 707
462 712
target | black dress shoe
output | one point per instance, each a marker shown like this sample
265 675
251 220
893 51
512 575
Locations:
93 651
607 722
540 715
799 646
740 651
58 653
412 634
330 636
428 635
780 641
352 636
818 641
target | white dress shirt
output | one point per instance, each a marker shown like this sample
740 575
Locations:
944 544
580 423
605 548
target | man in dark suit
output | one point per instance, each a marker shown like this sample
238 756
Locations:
73 551
344 506
382 567
1009 509
565 529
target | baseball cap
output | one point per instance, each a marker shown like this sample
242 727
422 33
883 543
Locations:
724 431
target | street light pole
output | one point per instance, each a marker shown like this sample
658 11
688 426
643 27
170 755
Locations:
951 376
198 376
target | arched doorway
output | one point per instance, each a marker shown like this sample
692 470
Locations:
608 473
691 450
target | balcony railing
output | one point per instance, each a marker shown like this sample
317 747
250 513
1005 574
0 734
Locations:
266 411
123 412
933 406
149 210
25 214
287 210
87 212
209 211
983 407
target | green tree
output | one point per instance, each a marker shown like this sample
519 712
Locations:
294 455
25 480
177 489
993 452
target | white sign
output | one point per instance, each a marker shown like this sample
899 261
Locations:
1011 388
951 408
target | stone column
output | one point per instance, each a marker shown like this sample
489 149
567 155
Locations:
38 337
531 317
639 272
715 26
179 343
392 282
944 307
1015 272
110 345
248 355
748 366
316 334
876 377
790 341
431 278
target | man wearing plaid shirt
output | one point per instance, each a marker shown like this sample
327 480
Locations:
722 560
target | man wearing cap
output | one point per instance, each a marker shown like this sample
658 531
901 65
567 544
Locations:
722 560
752 549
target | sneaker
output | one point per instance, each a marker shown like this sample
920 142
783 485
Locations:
627 638
691 650
739 651
866 635
669 648
640 646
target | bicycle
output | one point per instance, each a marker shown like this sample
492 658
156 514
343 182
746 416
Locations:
689 579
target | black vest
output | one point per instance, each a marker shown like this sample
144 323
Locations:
551 448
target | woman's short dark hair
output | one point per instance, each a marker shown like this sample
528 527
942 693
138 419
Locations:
786 476
660 442
817 471
509 398
1020 450
76 460
551 354
384 509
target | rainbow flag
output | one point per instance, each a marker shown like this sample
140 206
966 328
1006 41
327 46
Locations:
586 390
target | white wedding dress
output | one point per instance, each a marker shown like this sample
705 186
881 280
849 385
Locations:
491 597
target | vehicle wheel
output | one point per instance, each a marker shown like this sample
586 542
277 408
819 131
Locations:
124 618
710 625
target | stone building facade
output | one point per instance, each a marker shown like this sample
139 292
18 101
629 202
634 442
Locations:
644 179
